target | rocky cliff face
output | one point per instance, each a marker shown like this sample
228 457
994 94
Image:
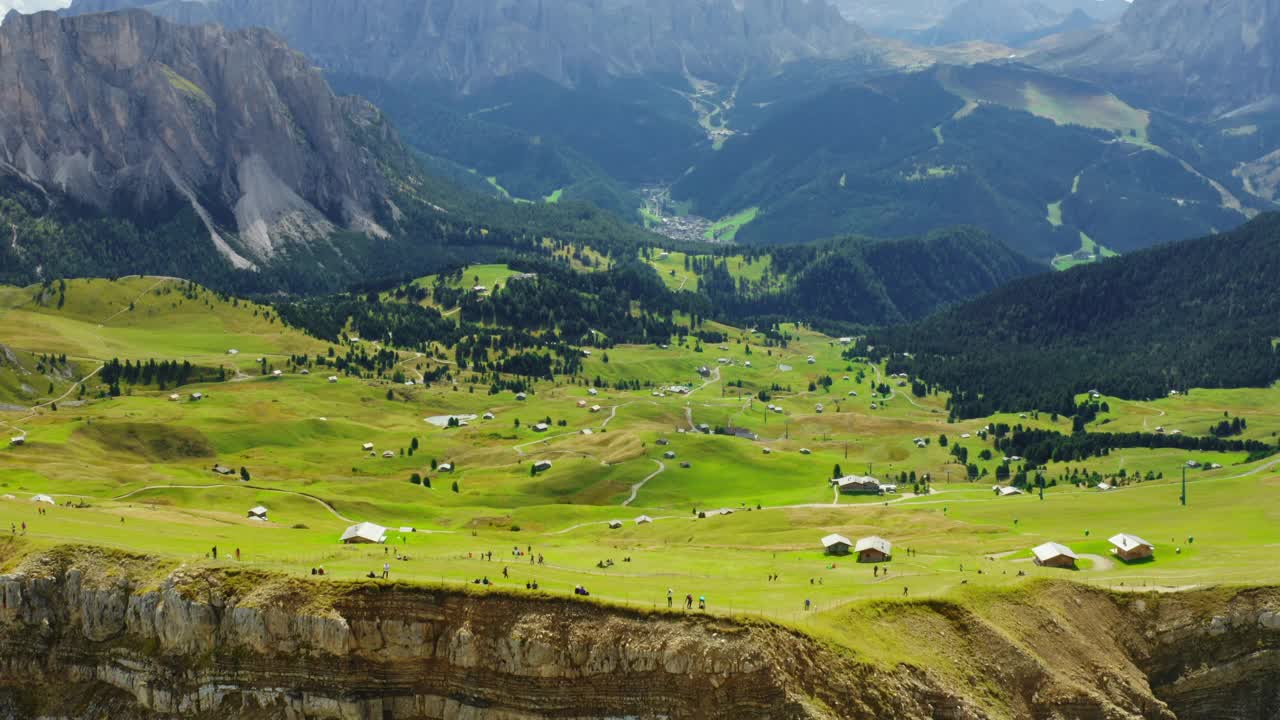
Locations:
126 111
83 635
1204 56
465 43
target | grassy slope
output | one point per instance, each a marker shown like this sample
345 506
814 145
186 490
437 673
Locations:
300 434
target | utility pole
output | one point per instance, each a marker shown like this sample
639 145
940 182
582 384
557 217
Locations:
1184 486
846 449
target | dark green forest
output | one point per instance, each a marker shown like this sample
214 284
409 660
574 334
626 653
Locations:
896 155
1199 313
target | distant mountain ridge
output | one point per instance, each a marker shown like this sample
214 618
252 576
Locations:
1195 57
130 114
469 43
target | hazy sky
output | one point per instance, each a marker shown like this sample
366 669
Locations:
28 6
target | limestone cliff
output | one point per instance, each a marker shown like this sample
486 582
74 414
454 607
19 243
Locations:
129 113
87 634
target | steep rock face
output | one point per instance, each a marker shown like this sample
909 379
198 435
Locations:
468 42
83 634
128 111
1202 56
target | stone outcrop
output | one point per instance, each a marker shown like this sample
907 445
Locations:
128 113
84 633
465 43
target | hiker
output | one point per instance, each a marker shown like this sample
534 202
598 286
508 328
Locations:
670 596
386 570
702 602
215 547
806 605
237 554
121 519
688 602
904 591
504 573
875 570
385 549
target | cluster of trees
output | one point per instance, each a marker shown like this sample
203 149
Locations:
1040 447
163 374
1170 318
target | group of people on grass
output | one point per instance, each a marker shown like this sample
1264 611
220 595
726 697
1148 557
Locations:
688 600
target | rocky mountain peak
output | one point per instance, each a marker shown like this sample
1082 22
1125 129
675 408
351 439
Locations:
127 111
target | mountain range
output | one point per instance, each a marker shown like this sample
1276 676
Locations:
466 44
1208 58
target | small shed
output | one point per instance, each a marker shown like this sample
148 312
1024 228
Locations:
670 455
333 379
1054 555
1131 548
18 440
197 396
582 403
1007 491
365 533
1103 487
615 524
175 397
367 447
686 465
258 513
488 416
542 466
596 408
644 520
223 470
277 373
43 500
521 396
836 544
806 451
541 427
592 392
388 454
445 467
873 550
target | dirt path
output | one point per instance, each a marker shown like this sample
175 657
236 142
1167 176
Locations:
332 510
635 489
141 295
1100 563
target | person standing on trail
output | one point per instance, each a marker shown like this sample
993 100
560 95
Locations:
504 572
875 570
702 602
237 554
806 605
386 570
670 597
904 591
688 602
215 551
